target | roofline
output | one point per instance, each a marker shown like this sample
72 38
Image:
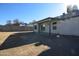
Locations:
69 17
45 19
51 18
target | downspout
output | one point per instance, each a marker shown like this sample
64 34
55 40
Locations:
33 27
39 28
49 27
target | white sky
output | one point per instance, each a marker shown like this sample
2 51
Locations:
70 2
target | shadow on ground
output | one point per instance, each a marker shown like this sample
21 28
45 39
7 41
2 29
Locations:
18 39
63 46
60 46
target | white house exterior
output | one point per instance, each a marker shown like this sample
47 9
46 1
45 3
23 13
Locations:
67 27
66 24
35 28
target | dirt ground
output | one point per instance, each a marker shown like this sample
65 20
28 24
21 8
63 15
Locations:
4 36
23 44
13 45
26 50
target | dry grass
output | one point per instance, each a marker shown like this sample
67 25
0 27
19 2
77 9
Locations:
4 36
26 50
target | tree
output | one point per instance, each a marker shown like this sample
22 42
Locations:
69 9
16 22
75 8
9 22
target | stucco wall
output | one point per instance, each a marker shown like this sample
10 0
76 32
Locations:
68 27
54 31
35 30
65 27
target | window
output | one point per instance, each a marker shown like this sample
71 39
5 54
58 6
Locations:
54 27
35 27
43 27
54 23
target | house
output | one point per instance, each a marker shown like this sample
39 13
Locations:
42 25
64 24
68 26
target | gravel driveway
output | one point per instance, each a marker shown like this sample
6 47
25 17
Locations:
64 45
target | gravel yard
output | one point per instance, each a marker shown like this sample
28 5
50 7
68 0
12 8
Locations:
50 46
